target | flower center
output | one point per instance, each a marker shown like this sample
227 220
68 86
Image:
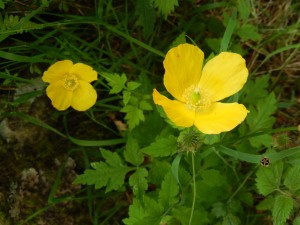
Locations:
70 82
196 99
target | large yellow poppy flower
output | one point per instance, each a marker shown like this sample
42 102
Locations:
69 85
197 91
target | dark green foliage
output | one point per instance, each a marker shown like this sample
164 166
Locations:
165 7
145 174
269 178
12 24
269 181
283 206
145 11
110 173
162 147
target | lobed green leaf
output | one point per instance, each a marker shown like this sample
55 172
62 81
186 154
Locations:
133 115
162 147
132 85
244 9
249 32
260 118
282 209
264 139
268 178
138 181
292 180
157 171
144 105
165 7
110 173
132 152
168 195
126 97
115 81
256 89
146 13
144 212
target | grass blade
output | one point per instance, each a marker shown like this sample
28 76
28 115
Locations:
228 32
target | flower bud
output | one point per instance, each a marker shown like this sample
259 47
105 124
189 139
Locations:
189 140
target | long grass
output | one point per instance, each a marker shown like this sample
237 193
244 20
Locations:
109 36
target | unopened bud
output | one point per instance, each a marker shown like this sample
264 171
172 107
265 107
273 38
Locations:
189 140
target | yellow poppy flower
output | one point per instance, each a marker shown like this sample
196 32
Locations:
69 85
197 91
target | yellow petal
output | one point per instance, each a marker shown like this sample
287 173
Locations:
176 111
222 117
224 75
60 97
57 71
183 65
84 96
84 72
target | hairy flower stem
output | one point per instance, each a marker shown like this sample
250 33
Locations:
194 190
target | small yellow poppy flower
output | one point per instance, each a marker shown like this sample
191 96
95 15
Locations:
69 85
197 91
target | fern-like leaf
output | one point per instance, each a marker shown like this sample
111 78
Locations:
12 24
165 6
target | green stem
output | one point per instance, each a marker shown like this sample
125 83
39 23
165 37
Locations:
241 185
194 192
131 39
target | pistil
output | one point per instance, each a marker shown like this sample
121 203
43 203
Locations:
70 82
196 99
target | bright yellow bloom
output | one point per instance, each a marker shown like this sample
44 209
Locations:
197 91
69 85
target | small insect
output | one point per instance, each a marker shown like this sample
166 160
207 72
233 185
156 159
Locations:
265 161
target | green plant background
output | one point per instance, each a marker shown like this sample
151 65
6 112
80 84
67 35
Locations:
123 162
